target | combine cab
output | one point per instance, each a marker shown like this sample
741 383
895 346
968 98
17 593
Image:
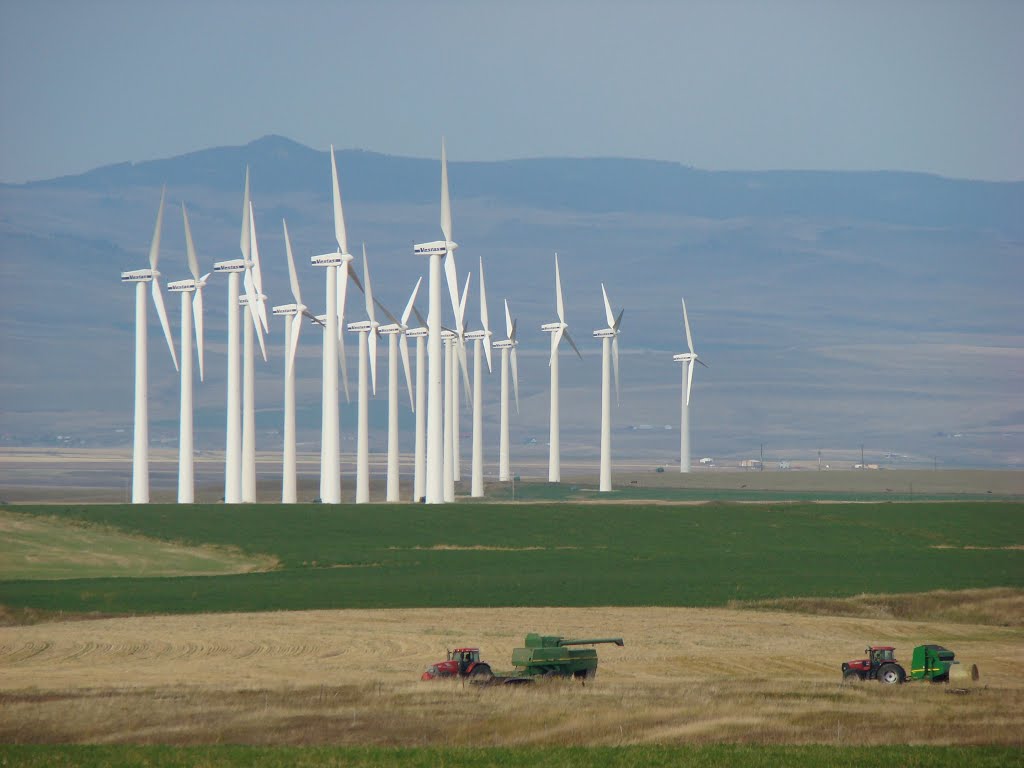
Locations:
461 662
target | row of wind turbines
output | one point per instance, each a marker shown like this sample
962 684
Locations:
441 361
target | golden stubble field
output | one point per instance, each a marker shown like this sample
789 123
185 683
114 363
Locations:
352 677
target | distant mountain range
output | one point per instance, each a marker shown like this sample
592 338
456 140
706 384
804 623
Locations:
835 309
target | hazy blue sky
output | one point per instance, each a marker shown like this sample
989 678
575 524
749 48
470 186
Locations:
925 86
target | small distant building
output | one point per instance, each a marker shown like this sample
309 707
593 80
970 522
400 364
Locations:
750 464
707 461
783 465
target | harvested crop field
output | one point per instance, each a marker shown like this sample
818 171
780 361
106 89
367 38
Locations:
686 675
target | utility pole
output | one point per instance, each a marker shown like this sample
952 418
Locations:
762 457
862 456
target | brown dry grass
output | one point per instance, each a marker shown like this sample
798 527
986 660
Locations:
1000 606
351 677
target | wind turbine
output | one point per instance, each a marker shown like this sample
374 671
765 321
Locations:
481 338
367 330
233 448
293 314
330 444
557 331
508 351
609 342
449 338
140 448
396 333
191 307
687 359
254 303
437 251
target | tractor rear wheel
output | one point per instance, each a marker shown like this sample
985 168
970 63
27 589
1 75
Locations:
481 672
891 674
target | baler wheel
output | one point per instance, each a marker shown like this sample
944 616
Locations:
481 672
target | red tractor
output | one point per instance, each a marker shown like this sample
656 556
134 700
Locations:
461 662
880 665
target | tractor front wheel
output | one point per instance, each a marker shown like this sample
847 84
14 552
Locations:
891 674
849 676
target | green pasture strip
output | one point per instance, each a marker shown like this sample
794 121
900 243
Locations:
540 492
465 555
735 756
34 547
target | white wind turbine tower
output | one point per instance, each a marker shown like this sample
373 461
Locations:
191 307
557 331
367 330
458 362
609 339
508 351
233 448
436 251
140 449
419 482
255 308
396 333
480 338
687 359
293 314
330 445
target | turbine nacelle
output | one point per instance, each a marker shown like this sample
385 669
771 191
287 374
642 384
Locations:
505 344
389 330
447 335
606 333
363 325
553 327
685 357
330 259
478 334
231 265
243 300
417 333
139 276
288 310
437 246
182 286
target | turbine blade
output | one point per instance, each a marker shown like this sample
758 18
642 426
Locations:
387 314
618 320
339 216
512 335
615 365
559 304
244 239
689 381
508 321
462 304
419 318
607 308
515 376
460 346
453 287
190 248
403 347
697 359
197 321
487 352
572 344
367 288
340 293
158 301
409 306
154 245
343 362
259 333
252 311
292 277
483 299
293 342
446 203
257 275
373 358
686 321
554 347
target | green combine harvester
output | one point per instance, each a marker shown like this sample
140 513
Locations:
551 656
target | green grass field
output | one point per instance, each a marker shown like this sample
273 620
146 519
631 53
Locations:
548 554
554 757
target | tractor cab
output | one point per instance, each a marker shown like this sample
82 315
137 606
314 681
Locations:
465 656
879 654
